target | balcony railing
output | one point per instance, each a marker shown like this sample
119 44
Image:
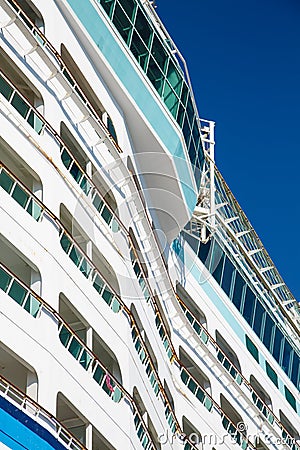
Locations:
16 189
19 292
21 104
33 409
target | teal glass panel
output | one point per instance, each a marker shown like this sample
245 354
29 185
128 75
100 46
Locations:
85 185
174 78
290 398
36 123
117 395
34 209
20 105
75 255
155 76
122 23
142 282
189 317
159 54
170 99
85 268
97 202
200 395
115 226
184 376
17 292
139 50
6 182
115 305
192 385
66 158
143 28
64 336
190 110
208 403
65 243
98 283
204 337
278 339
20 195
186 130
108 385
5 89
32 305
5 279
107 6
76 172
75 347
99 374
107 295
252 348
107 215
85 359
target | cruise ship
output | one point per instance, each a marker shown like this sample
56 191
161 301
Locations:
139 308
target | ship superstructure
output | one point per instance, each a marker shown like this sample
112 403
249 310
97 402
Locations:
139 309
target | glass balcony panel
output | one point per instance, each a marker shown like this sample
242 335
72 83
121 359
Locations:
184 93
76 172
5 279
139 50
64 336
85 185
34 209
197 327
6 182
107 295
184 376
20 196
115 305
36 123
75 255
5 88
32 305
85 359
192 385
107 215
75 347
98 284
65 243
129 7
20 105
180 115
122 23
97 202
117 395
200 395
85 268
17 292
99 374
66 158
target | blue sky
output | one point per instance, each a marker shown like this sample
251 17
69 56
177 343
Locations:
244 63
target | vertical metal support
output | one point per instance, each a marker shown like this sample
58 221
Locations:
212 173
